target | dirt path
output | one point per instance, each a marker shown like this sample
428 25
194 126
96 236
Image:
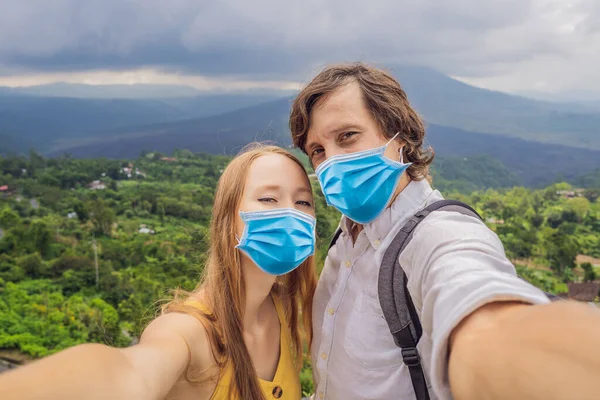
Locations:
594 261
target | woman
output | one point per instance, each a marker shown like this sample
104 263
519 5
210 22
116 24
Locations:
238 335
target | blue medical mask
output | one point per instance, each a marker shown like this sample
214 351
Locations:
360 185
278 241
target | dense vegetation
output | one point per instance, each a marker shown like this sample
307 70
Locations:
79 264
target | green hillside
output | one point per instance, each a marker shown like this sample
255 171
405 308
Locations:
148 233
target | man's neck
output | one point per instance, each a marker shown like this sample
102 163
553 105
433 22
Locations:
355 228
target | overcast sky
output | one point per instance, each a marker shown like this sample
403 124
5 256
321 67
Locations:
510 45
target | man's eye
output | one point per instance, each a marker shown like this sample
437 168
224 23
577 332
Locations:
346 135
316 152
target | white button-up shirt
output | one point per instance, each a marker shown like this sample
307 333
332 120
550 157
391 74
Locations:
454 264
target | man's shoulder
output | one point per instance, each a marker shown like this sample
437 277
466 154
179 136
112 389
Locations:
443 225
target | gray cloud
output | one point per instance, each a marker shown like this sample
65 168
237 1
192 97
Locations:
270 39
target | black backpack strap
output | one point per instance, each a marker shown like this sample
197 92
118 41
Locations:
394 297
336 235
395 300
451 205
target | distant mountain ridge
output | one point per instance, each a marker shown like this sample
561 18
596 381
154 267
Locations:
141 91
53 123
533 163
449 102
50 123
537 141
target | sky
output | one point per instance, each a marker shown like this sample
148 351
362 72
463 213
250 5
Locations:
544 46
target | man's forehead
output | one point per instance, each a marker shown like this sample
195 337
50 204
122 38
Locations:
341 97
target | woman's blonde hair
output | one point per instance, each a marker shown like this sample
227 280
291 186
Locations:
223 285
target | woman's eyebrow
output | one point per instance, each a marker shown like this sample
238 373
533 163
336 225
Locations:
269 187
304 189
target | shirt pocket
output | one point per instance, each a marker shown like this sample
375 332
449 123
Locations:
367 339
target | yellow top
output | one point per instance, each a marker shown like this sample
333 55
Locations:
286 382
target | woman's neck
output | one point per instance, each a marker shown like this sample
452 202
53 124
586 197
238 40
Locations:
258 289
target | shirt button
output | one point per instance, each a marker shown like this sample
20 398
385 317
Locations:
321 395
324 356
377 242
331 311
348 263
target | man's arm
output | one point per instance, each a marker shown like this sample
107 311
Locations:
516 351
492 332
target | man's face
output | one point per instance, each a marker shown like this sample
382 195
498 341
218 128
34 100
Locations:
341 124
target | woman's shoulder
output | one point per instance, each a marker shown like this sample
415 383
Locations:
182 325
198 377
185 320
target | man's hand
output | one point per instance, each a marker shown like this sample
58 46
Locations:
508 350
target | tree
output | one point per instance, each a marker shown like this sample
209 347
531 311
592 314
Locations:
40 236
580 206
561 250
102 216
589 273
32 265
8 218
592 195
81 210
161 211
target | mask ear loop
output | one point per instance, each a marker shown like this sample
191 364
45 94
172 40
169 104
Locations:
401 148
392 139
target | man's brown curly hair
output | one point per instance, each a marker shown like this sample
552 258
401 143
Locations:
386 101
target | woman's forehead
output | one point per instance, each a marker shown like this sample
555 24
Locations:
276 170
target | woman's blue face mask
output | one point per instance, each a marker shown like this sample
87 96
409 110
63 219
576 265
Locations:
279 240
360 185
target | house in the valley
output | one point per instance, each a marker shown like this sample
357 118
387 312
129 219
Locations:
145 230
587 291
96 185
492 220
6 191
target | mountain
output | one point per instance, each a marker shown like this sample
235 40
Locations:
219 134
58 124
133 91
533 163
589 180
51 123
449 102
569 96
136 91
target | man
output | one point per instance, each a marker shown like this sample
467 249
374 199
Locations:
486 333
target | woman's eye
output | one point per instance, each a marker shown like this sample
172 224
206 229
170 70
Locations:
267 199
304 203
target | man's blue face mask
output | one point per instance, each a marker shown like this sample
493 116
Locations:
279 240
360 185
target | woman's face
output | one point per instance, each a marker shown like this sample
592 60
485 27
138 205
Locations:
275 181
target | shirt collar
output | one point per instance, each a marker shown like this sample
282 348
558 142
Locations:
407 203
